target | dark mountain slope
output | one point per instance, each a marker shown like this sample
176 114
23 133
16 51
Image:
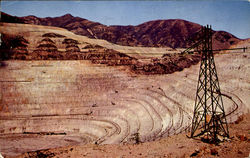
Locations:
159 33
10 19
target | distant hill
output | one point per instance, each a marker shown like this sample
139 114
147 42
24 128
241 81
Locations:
159 33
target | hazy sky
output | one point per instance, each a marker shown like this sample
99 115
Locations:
229 15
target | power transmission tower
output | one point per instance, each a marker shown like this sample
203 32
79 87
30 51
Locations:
209 119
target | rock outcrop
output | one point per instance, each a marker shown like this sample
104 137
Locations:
13 46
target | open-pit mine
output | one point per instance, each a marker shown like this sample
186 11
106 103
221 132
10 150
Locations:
60 89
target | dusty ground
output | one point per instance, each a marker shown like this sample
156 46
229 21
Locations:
173 146
49 104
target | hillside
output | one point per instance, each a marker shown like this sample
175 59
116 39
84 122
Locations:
159 33
36 42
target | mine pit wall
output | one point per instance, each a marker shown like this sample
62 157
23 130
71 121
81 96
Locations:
47 104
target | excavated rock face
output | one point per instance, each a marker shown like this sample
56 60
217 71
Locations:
72 48
70 41
109 57
71 103
167 65
46 41
71 45
53 35
46 45
46 49
13 47
91 46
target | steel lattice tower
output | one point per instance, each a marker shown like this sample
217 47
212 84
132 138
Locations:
209 120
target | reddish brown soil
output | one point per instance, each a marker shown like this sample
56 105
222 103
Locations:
173 146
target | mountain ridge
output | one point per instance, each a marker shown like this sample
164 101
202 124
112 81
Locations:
156 33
